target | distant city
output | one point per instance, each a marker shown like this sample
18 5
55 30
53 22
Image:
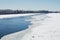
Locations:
9 11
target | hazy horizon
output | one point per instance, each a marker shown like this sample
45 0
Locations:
30 4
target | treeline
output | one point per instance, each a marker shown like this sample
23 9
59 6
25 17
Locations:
8 11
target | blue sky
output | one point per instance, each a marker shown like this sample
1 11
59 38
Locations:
30 4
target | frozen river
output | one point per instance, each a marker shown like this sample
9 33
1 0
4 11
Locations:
42 27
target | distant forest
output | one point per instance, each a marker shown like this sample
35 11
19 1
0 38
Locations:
8 11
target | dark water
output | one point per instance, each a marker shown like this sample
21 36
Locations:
11 25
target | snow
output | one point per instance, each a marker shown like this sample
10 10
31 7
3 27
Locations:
44 27
13 15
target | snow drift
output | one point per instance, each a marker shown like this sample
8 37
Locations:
13 15
44 27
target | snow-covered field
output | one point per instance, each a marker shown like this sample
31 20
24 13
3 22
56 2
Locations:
44 27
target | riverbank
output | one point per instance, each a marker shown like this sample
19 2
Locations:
47 28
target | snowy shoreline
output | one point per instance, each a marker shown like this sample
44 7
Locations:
44 27
13 15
